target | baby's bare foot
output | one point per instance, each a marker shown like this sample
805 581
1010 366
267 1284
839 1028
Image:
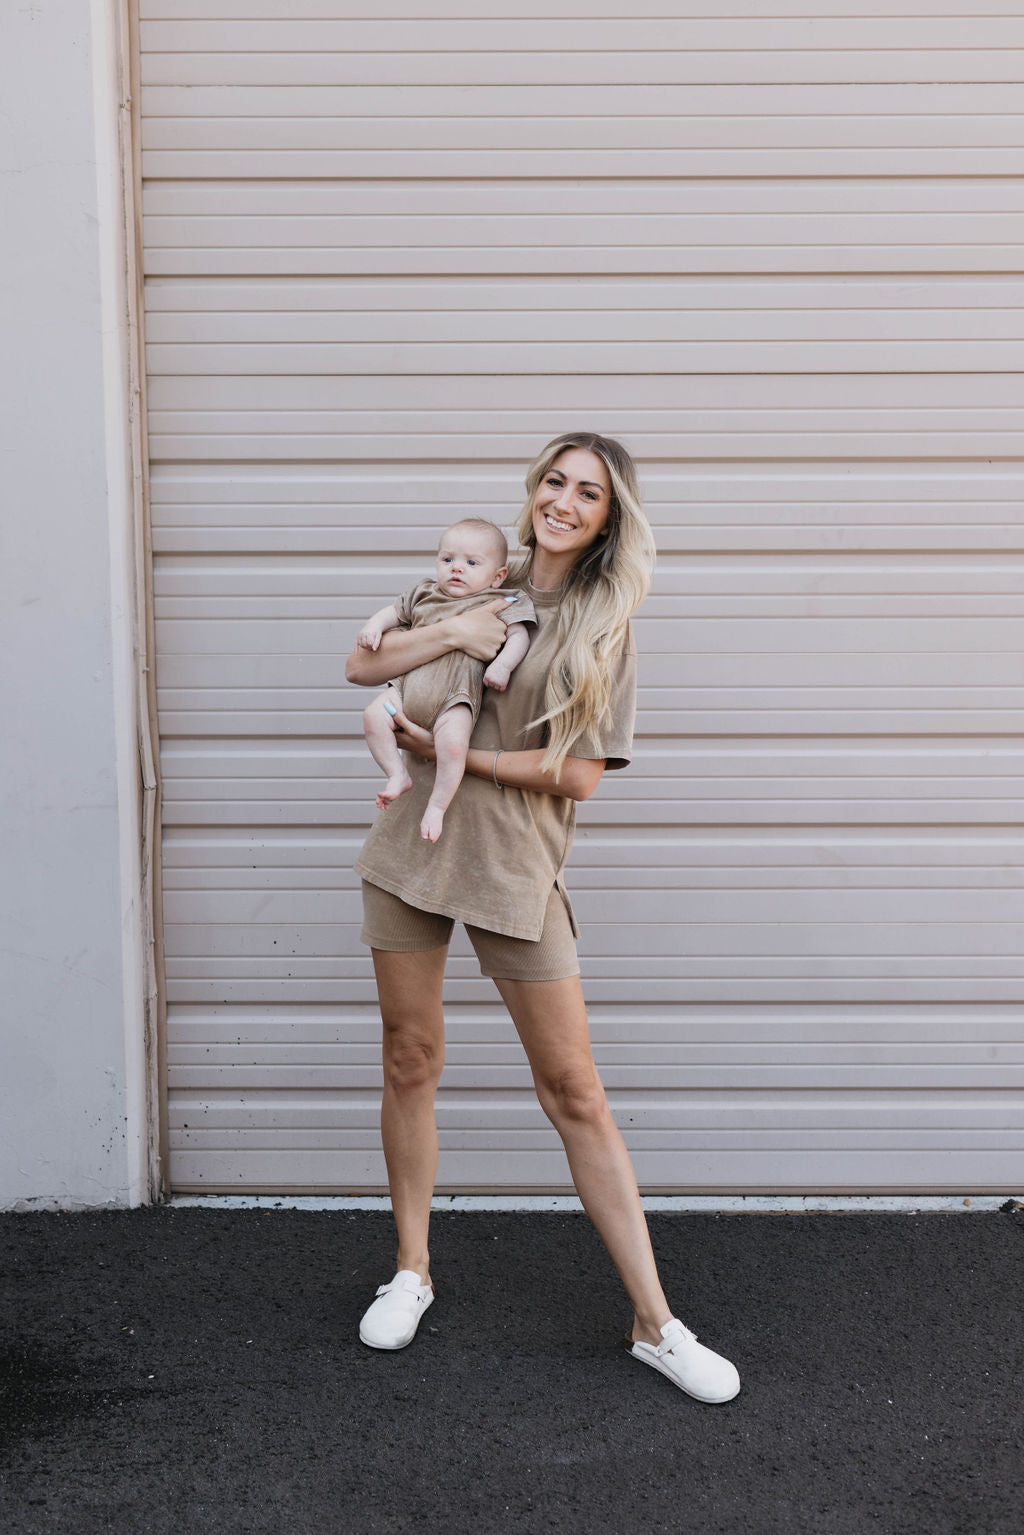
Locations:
397 784
431 824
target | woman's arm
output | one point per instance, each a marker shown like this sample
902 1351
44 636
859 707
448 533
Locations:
578 779
480 633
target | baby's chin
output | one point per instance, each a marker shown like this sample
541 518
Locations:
461 590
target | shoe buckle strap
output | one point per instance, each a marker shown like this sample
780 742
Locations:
676 1336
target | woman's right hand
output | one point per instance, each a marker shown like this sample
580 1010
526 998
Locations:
480 632
413 738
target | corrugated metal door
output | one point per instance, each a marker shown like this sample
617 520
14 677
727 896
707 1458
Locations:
388 256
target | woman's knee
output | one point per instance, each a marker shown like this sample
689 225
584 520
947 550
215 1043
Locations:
412 1061
574 1095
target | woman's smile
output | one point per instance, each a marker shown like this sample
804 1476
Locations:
556 525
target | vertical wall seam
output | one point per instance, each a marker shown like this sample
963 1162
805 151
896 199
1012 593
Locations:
129 137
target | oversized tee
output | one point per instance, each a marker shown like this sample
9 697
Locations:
501 850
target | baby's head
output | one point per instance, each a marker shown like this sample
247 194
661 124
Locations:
471 557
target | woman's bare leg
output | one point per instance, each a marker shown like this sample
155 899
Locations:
409 989
552 1024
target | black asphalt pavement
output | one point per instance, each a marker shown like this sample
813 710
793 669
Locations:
195 1370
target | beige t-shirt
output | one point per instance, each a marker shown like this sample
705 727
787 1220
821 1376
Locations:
501 850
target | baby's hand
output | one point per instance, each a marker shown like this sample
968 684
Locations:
369 637
496 676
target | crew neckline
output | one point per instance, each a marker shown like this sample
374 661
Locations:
546 596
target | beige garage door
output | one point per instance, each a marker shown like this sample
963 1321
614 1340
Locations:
388 256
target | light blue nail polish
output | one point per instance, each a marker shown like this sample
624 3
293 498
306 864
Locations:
390 708
513 598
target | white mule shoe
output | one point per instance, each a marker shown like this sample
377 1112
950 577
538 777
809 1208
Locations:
392 1320
695 1369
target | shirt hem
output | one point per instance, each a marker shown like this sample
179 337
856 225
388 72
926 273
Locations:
446 909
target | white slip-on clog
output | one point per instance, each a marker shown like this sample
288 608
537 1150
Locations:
695 1369
393 1318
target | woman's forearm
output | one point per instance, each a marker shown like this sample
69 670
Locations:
479 632
577 780
400 650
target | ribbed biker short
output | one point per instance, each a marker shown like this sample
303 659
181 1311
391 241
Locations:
389 923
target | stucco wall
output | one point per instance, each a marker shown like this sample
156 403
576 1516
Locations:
72 1127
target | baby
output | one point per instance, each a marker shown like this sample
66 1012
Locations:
444 696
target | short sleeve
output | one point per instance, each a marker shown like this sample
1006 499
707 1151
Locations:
522 611
613 737
406 603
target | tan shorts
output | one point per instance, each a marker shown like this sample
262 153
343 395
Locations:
389 923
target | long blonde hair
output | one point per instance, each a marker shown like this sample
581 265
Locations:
607 583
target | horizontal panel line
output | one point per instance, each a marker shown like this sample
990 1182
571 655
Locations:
667 459
636 215
752 273
700 85
622 309
497 177
583 891
733 956
786 742
434 344
670 118
453 413
182 889
800 831
583 54
613 182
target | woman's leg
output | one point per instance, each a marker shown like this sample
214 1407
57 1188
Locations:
552 1024
409 989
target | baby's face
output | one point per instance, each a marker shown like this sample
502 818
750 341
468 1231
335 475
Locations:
467 562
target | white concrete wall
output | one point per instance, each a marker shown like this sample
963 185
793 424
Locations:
72 1080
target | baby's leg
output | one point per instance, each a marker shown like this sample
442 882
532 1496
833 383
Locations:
380 738
451 743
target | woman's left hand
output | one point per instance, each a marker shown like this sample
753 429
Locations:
413 738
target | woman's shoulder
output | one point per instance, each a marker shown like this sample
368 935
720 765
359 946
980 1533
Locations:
622 644
518 567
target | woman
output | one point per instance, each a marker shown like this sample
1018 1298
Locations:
537 748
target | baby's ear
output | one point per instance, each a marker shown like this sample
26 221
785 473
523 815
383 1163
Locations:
500 576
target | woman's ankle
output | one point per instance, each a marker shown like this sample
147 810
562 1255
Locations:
647 1329
417 1264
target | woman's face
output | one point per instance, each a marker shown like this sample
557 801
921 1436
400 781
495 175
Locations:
571 505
